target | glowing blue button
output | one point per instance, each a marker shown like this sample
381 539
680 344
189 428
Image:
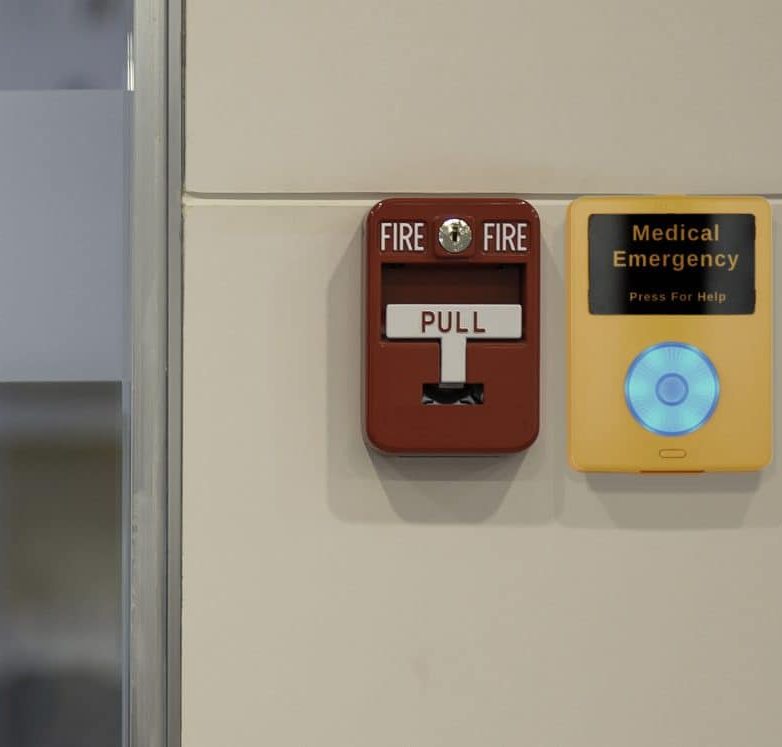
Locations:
672 388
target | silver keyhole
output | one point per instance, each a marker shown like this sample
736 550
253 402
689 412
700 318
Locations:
455 235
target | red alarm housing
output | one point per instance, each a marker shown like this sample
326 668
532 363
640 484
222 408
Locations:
452 354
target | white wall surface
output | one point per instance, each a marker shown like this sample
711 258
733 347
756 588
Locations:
340 598
493 96
336 597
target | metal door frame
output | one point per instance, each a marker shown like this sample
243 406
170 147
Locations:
153 576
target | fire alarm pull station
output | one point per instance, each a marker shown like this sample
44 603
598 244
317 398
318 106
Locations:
670 334
452 333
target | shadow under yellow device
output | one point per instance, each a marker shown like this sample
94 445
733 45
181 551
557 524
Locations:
670 334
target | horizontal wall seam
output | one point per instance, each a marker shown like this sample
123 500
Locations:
193 199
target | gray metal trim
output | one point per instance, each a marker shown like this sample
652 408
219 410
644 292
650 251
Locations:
146 681
175 311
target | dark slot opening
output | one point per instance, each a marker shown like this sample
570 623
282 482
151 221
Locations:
439 394
490 283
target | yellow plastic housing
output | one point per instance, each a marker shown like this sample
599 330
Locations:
603 434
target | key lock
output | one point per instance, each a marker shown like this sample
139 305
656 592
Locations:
452 347
455 235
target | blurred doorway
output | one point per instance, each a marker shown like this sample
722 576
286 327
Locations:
65 140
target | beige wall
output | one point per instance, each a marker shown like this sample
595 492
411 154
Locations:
499 95
336 597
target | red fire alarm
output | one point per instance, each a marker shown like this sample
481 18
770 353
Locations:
453 334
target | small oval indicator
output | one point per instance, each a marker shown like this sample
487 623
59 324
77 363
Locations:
673 453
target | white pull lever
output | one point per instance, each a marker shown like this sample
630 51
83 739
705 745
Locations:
453 325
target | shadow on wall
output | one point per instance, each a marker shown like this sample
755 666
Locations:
713 501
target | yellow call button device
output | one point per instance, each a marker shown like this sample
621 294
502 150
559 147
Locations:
670 334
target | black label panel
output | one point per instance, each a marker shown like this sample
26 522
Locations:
667 263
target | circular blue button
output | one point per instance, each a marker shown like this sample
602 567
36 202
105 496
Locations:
672 388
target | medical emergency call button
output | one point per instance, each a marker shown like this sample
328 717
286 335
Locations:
670 319
452 331
453 325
